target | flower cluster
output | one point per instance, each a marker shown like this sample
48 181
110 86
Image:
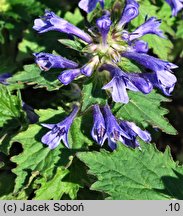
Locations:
105 48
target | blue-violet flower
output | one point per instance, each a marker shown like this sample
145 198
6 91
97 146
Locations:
104 24
122 80
129 13
50 21
140 46
68 76
99 130
46 61
107 46
114 131
176 6
164 81
59 131
151 26
133 131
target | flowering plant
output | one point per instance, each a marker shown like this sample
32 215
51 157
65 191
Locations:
92 98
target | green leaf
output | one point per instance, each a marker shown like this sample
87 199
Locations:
92 92
143 9
179 33
167 19
109 3
76 45
12 118
75 18
129 66
56 187
145 110
78 133
10 107
128 174
6 64
32 75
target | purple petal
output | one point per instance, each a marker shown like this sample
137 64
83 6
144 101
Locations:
59 131
163 80
144 135
51 139
46 61
176 6
88 68
114 132
102 3
49 126
131 143
167 81
31 115
140 46
68 120
51 21
130 11
68 76
104 24
150 62
118 90
125 35
65 140
139 82
98 131
122 80
39 24
151 26
134 131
